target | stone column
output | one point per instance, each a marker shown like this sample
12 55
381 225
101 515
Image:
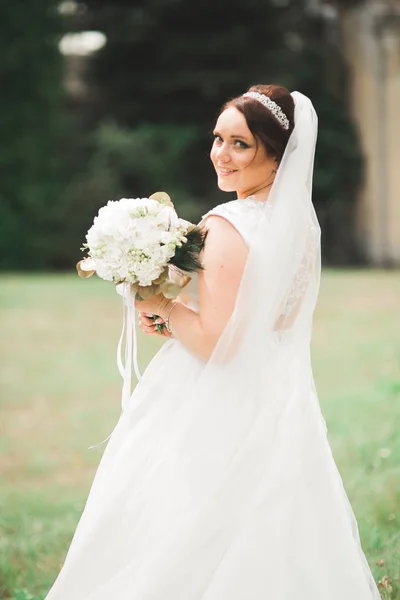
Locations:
371 43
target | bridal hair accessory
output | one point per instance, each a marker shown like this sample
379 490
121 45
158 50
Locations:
144 248
271 105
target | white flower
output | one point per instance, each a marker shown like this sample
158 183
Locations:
133 239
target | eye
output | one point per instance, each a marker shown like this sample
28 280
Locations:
217 139
241 144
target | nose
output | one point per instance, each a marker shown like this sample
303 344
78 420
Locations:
222 154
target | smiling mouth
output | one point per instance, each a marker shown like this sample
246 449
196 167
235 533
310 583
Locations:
226 172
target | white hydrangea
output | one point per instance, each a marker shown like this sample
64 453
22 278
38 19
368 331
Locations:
133 239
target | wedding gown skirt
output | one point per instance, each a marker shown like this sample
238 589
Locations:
196 499
148 531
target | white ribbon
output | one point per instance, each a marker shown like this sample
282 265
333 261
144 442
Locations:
131 351
129 328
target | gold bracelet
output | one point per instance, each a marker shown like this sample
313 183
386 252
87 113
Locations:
167 319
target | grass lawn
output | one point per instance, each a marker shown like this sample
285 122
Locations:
60 393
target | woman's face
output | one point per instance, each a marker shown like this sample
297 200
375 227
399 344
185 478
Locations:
241 164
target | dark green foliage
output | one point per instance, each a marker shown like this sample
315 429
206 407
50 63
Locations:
167 68
177 61
155 90
338 171
30 125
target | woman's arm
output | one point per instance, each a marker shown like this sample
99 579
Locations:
224 257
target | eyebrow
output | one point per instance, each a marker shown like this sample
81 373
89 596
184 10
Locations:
237 137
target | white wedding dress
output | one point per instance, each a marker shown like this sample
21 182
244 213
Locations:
204 496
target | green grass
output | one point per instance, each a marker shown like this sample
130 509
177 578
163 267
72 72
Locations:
60 393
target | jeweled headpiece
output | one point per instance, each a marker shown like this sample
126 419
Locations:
272 107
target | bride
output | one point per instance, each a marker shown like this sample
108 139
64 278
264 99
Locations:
218 482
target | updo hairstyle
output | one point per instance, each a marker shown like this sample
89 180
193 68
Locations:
261 122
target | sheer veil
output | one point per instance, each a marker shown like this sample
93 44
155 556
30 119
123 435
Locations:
281 280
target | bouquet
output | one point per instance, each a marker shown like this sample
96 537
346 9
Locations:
142 246
143 243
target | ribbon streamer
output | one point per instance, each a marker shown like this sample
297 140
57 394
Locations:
129 328
131 352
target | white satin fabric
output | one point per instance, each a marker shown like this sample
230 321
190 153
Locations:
218 482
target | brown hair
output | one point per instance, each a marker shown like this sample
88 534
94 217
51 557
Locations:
261 122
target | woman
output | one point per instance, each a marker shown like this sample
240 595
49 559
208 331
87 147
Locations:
218 481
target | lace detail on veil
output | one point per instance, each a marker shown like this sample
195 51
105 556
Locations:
303 275
291 306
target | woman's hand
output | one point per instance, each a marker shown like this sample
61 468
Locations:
149 326
155 305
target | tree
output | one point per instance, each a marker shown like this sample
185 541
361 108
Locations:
155 91
30 120
165 71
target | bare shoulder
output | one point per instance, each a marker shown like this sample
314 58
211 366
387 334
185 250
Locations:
225 246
